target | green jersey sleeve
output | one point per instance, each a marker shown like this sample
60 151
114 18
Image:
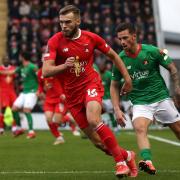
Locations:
162 56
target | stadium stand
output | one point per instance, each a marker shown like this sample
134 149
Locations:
31 23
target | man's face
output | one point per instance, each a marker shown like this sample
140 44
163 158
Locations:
127 40
69 24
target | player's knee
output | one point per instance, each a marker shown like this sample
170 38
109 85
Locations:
140 130
26 110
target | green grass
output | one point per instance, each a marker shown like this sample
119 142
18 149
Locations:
38 159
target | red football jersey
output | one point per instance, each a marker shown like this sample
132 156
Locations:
7 81
51 86
82 49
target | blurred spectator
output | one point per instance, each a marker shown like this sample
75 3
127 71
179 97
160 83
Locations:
24 8
32 22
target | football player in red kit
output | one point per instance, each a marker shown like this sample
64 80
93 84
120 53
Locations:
50 90
70 55
7 93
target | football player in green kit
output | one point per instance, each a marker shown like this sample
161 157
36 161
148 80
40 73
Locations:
150 96
27 98
106 102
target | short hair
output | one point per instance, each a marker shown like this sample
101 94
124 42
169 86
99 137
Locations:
126 26
68 9
25 55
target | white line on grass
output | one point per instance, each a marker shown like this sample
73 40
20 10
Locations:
161 139
75 172
164 140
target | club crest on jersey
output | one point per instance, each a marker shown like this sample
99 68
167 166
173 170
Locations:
145 62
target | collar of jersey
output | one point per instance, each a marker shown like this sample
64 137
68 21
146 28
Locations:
134 55
79 30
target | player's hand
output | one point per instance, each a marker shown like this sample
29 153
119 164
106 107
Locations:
69 62
126 88
120 117
63 97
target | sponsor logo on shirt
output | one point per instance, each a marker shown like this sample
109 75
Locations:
79 66
140 75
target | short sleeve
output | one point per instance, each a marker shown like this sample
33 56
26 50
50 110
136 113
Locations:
50 53
101 44
162 56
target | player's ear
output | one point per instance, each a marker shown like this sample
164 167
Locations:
78 21
134 36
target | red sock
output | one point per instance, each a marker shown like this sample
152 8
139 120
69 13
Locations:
1 121
72 126
66 119
54 129
110 142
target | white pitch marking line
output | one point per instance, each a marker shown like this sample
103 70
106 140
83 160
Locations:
55 172
74 172
164 140
161 139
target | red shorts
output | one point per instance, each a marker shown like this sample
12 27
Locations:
55 107
7 99
92 92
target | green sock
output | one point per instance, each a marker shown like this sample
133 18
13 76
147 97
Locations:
17 118
114 123
146 154
30 120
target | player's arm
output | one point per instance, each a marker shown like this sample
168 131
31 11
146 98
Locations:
175 77
168 63
115 98
127 87
50 69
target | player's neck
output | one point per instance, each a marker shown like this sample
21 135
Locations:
77 34
25 63
134 49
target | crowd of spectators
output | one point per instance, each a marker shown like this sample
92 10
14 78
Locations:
32 23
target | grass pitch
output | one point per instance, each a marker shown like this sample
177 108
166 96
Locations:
38 159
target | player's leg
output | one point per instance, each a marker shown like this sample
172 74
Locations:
168 114
53 126
1 121
175 127
17 106
29 103
120 155
141 124
67 118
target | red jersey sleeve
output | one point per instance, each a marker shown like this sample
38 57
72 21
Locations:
51 49
101 44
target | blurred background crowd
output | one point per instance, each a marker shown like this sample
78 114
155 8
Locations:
32 23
